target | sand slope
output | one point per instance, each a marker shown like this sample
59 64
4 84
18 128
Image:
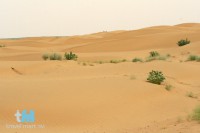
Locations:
68 96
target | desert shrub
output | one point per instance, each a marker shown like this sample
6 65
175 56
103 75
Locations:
100 62
196 114
168 55
124 60
70 56
191 95
155 77
117 61
168 87
55 56
192 58
1 46
154 54
45 56
198 59
161 58
183 42
137 60
148 59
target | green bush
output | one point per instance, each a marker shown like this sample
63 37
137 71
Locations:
183 42
198 59
55 56
154 54
137 60
70 56
155 77
196 114
192 58
45 56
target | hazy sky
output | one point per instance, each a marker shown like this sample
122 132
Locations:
22 18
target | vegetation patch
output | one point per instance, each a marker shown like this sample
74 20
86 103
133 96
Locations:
154 55
168 87
137 60
70 56
155 77
45 56
117 61
196 114
183 42
191 95
193 58
1 46
55 56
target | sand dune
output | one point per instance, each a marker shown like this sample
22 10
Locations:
70 96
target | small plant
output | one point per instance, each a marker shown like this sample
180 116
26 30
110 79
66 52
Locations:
168 55
155 77
137 60
154 54
70 56
1 46
196 114
192 58
55 56
100 62
198 59
117 61
183 42
45 56
124 60
191 95
84 64
168 87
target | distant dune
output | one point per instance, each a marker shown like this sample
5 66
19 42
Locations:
92 95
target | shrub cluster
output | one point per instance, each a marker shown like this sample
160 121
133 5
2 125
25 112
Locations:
137 60
70 56
193 58
117 61
154 55
55 56
155 77
196 114
183 42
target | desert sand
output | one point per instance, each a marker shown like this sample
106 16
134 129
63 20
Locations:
86 96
